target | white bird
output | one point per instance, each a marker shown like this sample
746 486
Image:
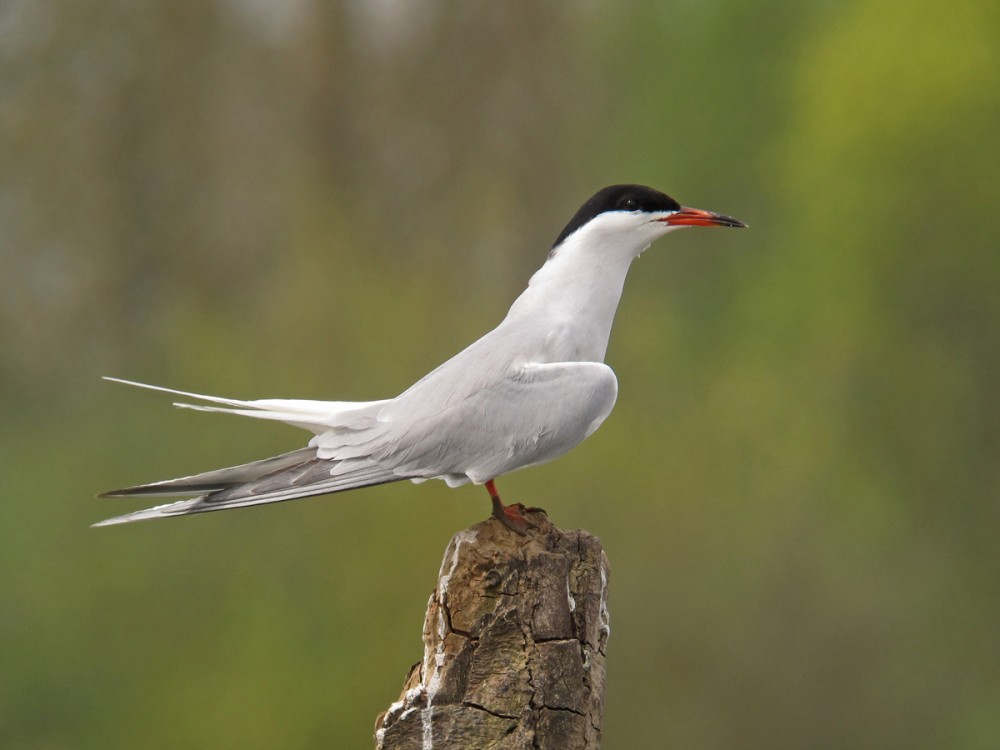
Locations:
525 393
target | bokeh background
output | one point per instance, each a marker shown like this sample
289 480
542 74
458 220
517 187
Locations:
798 490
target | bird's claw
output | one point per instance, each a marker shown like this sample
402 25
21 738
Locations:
512 516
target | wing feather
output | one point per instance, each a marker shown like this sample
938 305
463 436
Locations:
311 477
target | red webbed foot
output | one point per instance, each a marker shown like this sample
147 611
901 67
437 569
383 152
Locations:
511 516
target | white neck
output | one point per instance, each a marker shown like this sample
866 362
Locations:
572 299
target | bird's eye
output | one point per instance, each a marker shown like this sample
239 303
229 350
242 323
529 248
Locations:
629 204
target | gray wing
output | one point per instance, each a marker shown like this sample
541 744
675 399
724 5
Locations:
299 473
242 486
466 421
525 416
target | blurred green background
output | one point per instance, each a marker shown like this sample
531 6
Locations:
798 490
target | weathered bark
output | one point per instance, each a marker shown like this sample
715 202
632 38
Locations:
514 644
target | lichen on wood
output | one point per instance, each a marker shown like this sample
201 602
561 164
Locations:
514 646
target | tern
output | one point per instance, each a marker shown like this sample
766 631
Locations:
525 393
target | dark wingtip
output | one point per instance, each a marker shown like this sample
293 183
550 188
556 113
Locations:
144 490
123 492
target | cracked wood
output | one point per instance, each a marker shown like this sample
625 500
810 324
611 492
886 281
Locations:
514 646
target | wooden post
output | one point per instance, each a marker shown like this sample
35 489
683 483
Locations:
514 645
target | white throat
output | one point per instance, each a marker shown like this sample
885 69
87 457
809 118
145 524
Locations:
573 297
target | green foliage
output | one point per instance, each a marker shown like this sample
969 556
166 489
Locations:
797 489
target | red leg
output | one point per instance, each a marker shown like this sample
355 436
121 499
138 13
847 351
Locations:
510 516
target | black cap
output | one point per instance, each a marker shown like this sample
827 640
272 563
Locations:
618 198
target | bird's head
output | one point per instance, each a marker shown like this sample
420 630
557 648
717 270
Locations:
633 215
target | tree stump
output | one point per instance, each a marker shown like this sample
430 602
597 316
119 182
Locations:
514 646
